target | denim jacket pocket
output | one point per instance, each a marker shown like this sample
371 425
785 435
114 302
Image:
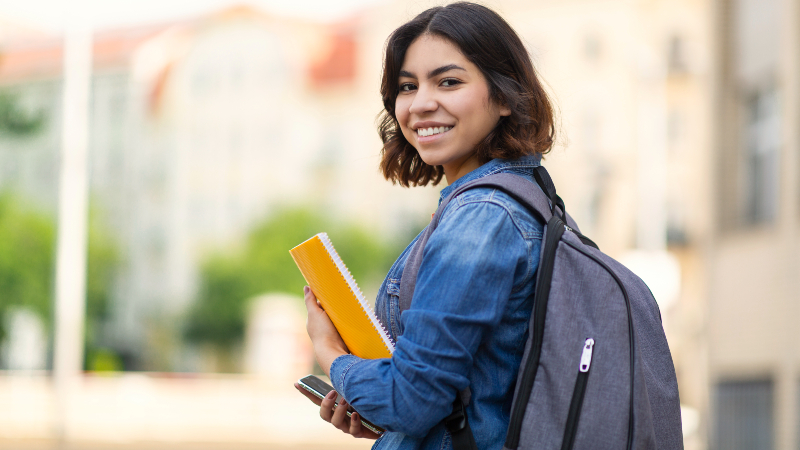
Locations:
393 292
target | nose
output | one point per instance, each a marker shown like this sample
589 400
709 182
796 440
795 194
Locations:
424 101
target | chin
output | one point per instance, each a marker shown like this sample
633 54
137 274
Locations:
431 161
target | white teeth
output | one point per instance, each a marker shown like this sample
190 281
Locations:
432 130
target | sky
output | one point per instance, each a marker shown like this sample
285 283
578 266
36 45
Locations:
51 15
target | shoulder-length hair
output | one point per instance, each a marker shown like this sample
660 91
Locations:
491 44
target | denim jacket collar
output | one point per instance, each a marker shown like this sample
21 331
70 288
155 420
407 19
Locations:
491 167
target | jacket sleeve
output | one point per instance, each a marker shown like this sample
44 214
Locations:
463 285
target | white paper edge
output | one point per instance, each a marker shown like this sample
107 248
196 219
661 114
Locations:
351 282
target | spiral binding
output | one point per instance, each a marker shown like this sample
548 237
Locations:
351 282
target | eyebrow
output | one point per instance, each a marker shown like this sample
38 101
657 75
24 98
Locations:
434 72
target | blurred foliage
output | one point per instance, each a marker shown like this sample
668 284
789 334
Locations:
264 265
103 360
27 266
103 258
27 260
102 261
16 120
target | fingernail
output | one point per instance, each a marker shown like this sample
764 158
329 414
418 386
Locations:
355 416
331 394
305 289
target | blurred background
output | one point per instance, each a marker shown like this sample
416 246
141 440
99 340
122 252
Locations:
170 153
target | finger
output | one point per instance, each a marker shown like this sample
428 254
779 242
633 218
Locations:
326 406
308 394
355 425
312 305
364 432
308 294
340 419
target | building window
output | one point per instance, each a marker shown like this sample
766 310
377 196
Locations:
676 220
592 47
750 116
744 415
675 128
676 58
761 148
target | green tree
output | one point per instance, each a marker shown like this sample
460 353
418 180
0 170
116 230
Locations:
16 120
26 261
27 266
102 262
264 265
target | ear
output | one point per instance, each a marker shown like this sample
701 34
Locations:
503 109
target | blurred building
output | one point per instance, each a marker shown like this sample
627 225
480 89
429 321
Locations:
200 129
753 250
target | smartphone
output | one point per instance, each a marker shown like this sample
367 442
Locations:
320 389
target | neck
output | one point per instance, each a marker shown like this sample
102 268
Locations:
456 171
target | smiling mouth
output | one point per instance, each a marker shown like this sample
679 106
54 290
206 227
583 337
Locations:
423 132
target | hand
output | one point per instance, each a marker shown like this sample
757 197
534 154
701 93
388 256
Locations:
328 344
337 416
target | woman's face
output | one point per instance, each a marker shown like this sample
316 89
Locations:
443 107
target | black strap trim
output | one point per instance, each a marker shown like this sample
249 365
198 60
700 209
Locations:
458 426
530 365
544 181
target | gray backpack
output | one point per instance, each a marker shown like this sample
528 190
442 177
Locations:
597 371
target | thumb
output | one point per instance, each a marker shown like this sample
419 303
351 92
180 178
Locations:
310 299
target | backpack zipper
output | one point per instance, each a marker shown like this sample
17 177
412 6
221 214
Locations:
584 239
631 340
577 396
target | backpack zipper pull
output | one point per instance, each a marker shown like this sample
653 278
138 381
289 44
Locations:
567 228
586 357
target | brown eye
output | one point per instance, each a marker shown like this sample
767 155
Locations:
406 87
450 82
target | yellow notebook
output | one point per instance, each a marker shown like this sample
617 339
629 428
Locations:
340 297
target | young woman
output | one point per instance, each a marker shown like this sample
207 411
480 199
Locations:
462 101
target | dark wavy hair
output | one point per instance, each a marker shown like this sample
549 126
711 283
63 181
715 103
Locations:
491 44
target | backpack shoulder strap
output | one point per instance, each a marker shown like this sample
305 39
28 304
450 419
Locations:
523 191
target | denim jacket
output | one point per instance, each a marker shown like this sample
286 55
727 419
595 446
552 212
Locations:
466 326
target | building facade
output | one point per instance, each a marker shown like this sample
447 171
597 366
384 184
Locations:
753 262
